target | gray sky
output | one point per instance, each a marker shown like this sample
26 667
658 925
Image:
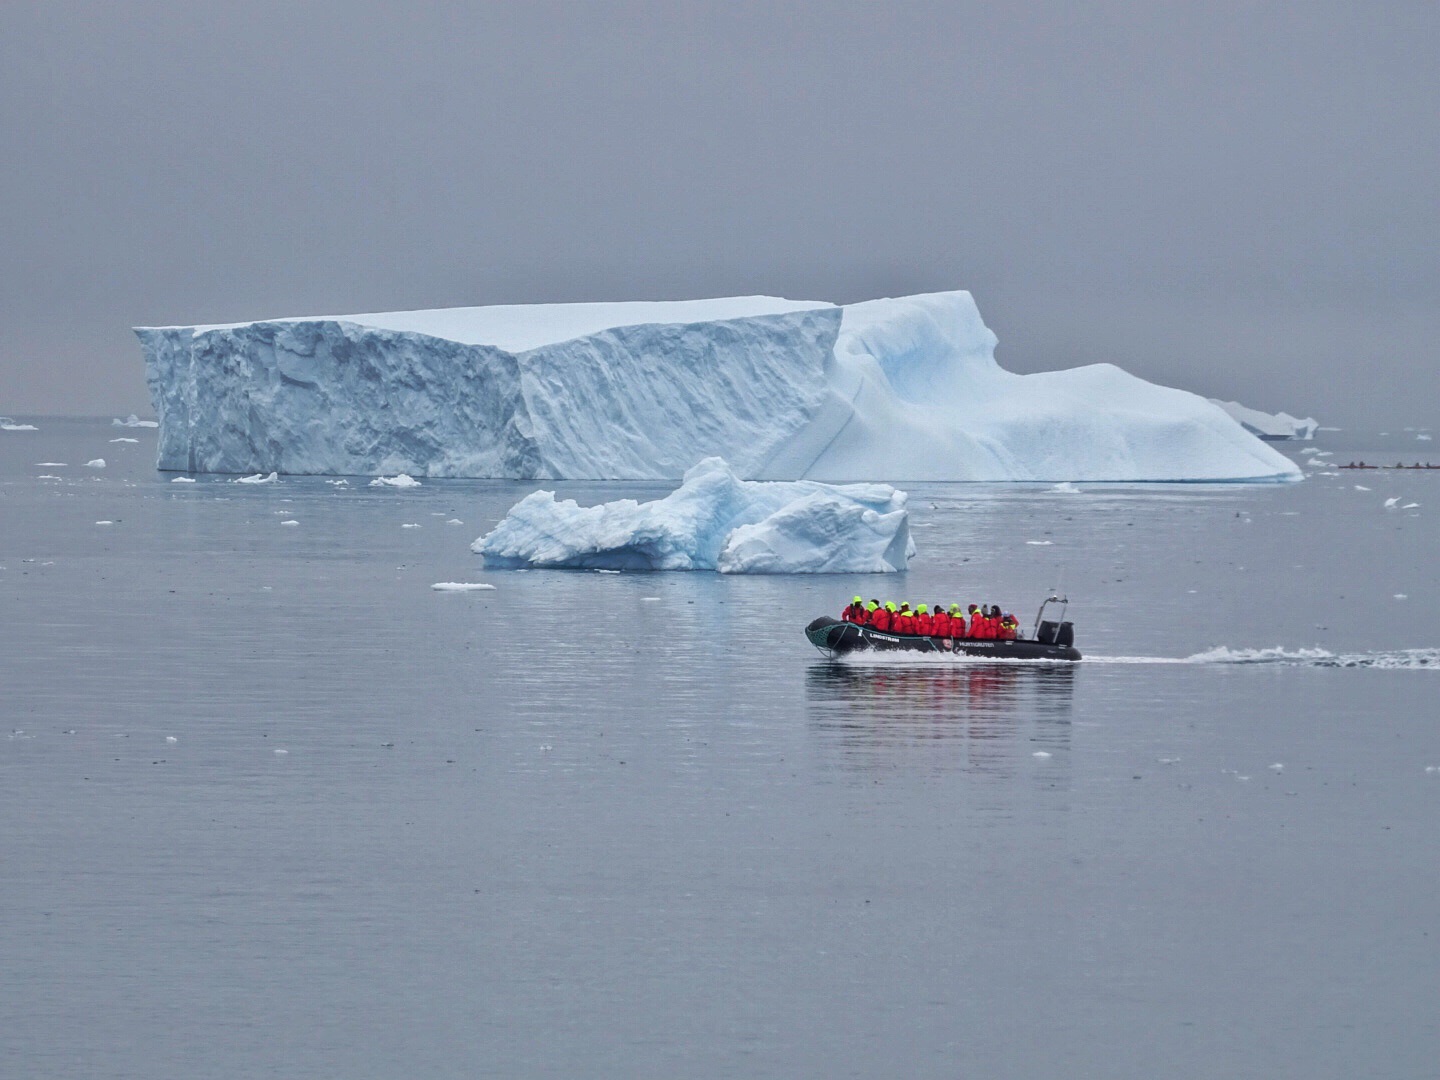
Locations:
1241 199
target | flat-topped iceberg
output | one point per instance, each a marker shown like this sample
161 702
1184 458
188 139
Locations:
903 389
1272 427
714 521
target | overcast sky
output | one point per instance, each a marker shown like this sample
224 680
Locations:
1241 199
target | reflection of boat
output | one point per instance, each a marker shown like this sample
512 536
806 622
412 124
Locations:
992 715
1051 640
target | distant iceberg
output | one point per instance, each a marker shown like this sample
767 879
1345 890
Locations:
1272 427
714 521
903 389
8 423
134 421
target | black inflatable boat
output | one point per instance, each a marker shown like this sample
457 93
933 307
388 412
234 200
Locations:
1051 640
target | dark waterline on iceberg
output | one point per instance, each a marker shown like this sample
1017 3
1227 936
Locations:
631 824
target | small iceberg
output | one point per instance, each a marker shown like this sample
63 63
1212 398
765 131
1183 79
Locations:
183 480
714 521
95 463
1272 427
134 421
10 424
124 440
401 480
461 586
258 478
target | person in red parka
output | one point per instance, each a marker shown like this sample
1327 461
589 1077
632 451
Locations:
1009 627
977 623
882 617
853 611
923 623
940 622
957 621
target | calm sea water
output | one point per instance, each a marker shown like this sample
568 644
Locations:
627 825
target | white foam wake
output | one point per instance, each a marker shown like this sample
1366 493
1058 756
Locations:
1398 660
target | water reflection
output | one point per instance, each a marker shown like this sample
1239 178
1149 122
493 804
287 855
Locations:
980 717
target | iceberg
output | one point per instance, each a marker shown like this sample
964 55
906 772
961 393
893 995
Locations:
134 421
714 521
899 389
1272 427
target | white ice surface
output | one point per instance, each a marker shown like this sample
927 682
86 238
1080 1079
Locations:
714 521
461 586
400 481
1270 425
134 421
904 389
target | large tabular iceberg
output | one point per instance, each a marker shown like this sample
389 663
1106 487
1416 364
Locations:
903 389
714 521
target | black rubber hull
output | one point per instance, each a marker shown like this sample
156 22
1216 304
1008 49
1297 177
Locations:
836 638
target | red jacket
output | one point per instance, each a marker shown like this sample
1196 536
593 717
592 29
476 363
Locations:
941 624
881 620
924 624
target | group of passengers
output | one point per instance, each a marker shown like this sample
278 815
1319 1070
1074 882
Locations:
979 623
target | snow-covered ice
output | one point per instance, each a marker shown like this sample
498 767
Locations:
400 481
95 463
289 521
10 424
714 521
183 480
134 421
122 440
904 389
461 586
258 478
1274 426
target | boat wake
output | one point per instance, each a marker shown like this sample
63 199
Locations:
1398 660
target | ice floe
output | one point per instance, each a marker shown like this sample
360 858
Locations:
401 480
461 586
714 521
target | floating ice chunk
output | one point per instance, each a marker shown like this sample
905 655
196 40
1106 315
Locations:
1066 488
258 478
278 751
338 483
49 476
105 523
182 480
1039 543
1402 596
461 586
1279 766
600 570
649 598
95 463
1041 754
134 421
410 525
1410 506
290 521
9 424
400 480
123 440
454 521
1391 502
51 465
1361 487
1432 768
1271 426
171 739
1168 760
1423 438
714 521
